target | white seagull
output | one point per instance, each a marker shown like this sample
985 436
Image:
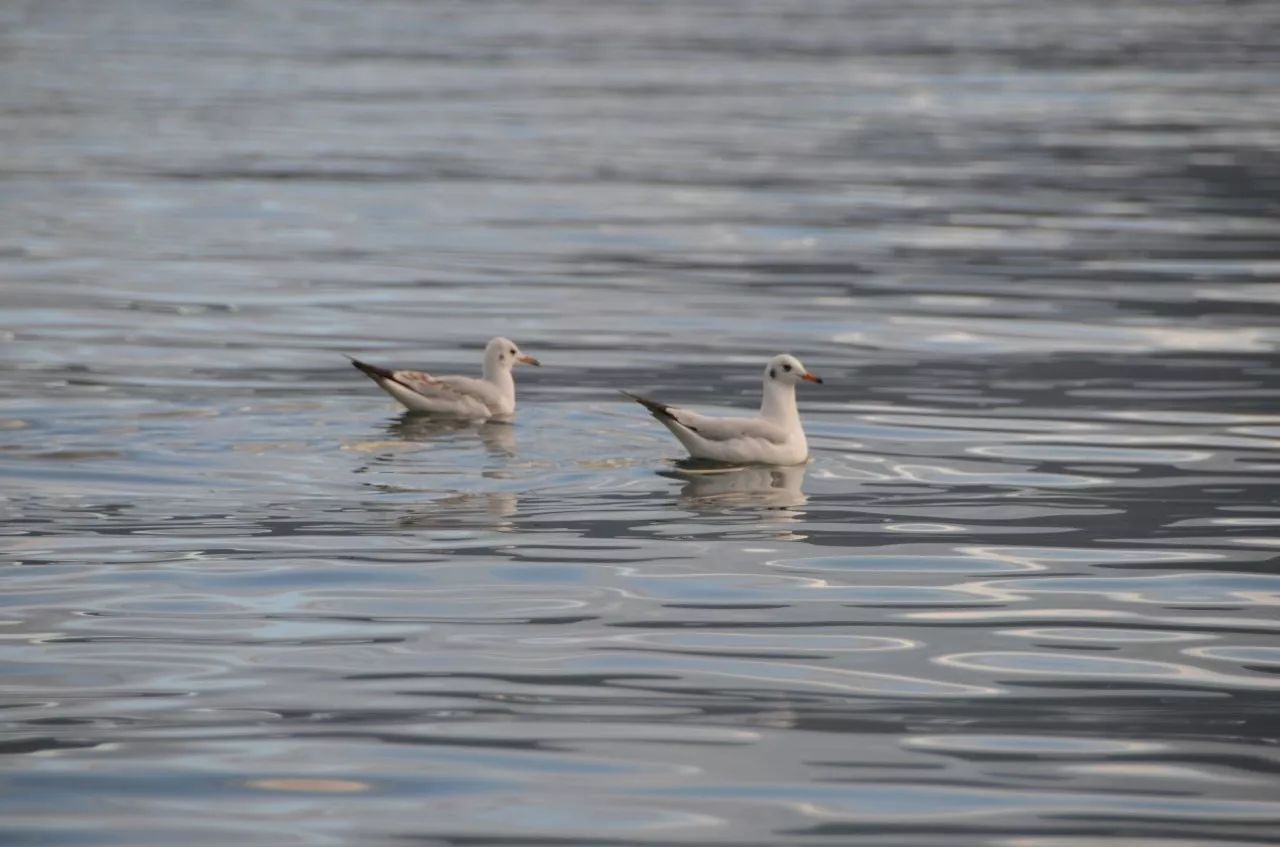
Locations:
491 397
774 437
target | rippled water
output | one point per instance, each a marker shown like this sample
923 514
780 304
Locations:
1025 593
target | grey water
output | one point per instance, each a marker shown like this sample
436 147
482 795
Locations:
1024 594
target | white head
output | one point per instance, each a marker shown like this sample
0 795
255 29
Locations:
502 354
786 369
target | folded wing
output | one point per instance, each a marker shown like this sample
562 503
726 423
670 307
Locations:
728 429
422 392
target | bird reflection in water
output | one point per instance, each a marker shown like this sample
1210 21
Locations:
480 504
711 486
492 510
464 509
499 439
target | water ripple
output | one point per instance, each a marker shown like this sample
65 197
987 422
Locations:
1024 593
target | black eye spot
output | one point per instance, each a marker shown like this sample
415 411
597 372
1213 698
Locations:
787 368
772 374
513 352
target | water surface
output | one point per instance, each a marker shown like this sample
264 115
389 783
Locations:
1025 592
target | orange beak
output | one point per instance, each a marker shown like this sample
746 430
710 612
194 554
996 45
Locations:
808 377
528 360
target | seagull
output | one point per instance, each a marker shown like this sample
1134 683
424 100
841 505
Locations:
491 397
774 437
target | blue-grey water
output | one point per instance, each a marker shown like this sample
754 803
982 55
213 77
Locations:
1025 594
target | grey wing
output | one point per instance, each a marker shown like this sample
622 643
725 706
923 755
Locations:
427 385
728 429
439 394
474 389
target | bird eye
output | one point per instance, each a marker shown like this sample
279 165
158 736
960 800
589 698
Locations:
513 352
787 368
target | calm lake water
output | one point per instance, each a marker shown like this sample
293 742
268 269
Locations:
1025 594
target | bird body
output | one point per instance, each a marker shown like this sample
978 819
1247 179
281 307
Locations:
774 437
491 397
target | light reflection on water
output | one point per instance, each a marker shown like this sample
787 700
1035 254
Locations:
1025 591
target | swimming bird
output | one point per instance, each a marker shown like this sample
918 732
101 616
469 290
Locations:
774 437
491 397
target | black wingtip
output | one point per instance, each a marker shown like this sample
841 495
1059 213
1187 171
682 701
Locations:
658 410
372 371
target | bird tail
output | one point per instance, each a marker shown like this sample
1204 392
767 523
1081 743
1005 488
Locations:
661 411
374 372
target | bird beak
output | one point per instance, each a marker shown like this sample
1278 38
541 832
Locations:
808 377
528 360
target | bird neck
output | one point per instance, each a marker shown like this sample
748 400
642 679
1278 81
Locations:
779 402
499 376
